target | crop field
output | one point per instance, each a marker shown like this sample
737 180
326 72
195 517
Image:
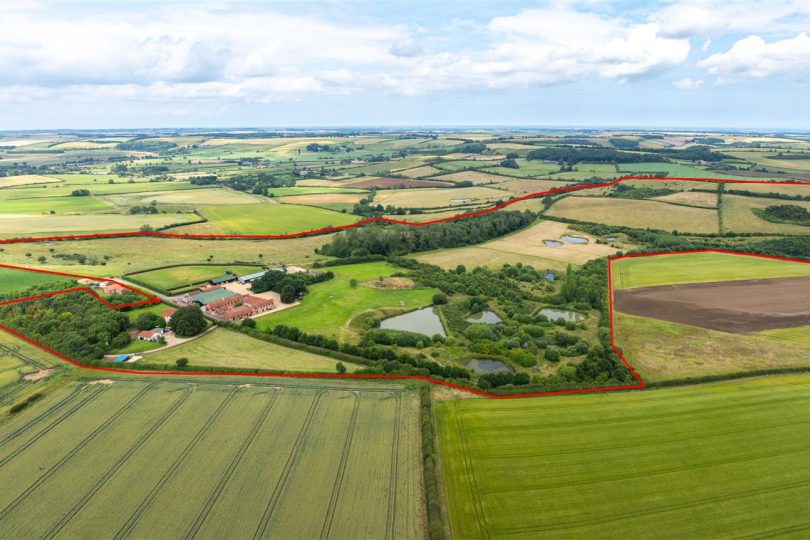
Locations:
324 199
715 460
636 213
329 306
738 215
476 177
20 224
189 196
19 358
226 348
431 198
24 180
528 168
690 198
672 169
526 246
13 281
524 187
169 458
58 205
329 188
393 183
271 218
699 267
418 172
184 277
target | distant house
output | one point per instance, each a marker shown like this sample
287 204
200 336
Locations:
113 288
250 277
167 314
151 335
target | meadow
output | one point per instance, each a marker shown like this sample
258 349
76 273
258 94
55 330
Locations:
636 213
170 457
329 307
738 215
187 277
714 460
698 268
57 205
15 281
227 348
271 219
32 224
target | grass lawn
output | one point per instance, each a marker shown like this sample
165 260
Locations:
699 267
157 309
188 276
227 348
272 218
137 346
13 281
636 213
716 460
329 306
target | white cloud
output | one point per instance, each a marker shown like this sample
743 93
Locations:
688 84
753 57
702 18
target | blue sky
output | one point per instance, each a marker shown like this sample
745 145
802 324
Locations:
682 63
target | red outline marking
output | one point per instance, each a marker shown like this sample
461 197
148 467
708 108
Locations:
153 300
326 230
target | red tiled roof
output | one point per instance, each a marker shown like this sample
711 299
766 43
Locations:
168 312
147 334
235 313
257 301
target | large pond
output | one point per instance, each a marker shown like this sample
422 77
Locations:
488 366
485 317
552 243
423 321
564 314
575 239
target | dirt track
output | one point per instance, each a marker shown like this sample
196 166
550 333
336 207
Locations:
730 306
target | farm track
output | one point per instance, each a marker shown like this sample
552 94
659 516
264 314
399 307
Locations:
235 461
392 477
468 466
133 520
292 458
39 417
108 474
45 431
8 350
112 420
344 458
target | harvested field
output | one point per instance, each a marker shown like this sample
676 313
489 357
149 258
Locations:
187 196
22 224
173 458
738 215
636 213
690 198
418 172
524 187
436 198
476 177
26 179
320 199
730 306
394 183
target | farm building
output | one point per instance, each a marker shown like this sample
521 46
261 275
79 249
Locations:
167 314
237 313
258 304
237 307
212 295
121 358
112 288
227 277
151 335
219 305
250 277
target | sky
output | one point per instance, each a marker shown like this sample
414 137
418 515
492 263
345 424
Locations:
590 63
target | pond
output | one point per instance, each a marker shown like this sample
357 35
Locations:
564 314
423 321
550 276
575 239
485 317
611 238
552 243
488 366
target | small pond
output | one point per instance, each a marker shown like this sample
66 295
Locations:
611 238
423 321
575 239
485 317
550 276
564 314
488 366
552 243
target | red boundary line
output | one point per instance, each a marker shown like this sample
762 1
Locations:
326 230
153 300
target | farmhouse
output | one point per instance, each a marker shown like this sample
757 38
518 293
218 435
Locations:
167 314
151 335
112 288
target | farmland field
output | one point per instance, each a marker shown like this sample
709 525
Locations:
430 198
716 460
636 213
58 205
21 224
690 198
26 179
699 267
329 306
738 215
167 457
188 196
187 276
271 218
226 348
13 281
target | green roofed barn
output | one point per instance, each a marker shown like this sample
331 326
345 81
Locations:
205 298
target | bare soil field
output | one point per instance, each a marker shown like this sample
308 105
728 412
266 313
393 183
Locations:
737 307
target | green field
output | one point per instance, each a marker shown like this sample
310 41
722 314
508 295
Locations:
21 224
699 267
721 460
14 281
329 306
272 218
19 358
161 457
226 348
57 205
185 277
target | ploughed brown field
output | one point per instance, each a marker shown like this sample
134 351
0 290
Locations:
728 306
